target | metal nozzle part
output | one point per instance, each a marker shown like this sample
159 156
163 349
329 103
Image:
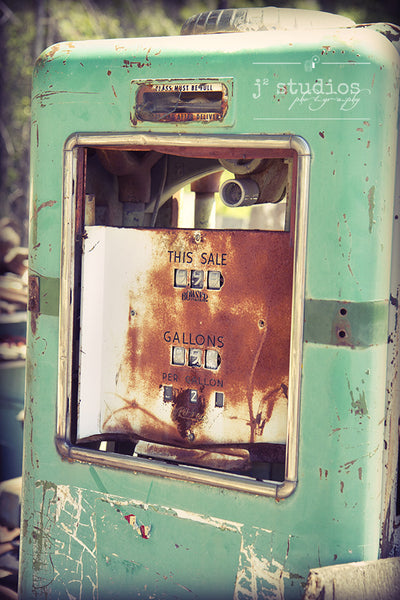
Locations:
239 192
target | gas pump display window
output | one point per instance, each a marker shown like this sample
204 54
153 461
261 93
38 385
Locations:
185 309
196 279
214 280
195 357
180 277
212 359
178 356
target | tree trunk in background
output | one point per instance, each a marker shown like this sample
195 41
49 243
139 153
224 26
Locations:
40 38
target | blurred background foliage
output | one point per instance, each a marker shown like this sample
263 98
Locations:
29 26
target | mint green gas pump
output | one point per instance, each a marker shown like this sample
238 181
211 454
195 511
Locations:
212 395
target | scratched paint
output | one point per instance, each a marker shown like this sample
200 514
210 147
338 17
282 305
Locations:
64 547
358 401
83 539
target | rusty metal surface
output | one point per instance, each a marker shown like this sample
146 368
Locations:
225 459
243 399
33 293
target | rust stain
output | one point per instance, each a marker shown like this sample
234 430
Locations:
250 388
360 473
49 55
33 301
187 415
346 466
46 204
52 51
265 409
253 367
129 64
341 487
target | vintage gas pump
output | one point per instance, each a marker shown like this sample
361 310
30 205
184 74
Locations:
212 393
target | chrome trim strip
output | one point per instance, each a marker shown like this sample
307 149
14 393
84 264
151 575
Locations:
66 287
183 472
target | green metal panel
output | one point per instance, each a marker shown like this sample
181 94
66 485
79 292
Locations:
208 541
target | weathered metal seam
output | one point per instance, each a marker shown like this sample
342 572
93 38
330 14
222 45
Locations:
356 325
66 287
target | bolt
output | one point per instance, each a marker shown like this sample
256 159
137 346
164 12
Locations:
197 237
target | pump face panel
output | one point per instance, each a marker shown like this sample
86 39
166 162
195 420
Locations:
187 334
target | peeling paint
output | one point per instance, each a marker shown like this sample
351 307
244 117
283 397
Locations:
359 404
259 578
371 207
142 530
213 521
70 552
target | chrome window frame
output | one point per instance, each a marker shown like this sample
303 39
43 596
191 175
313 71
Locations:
153 467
